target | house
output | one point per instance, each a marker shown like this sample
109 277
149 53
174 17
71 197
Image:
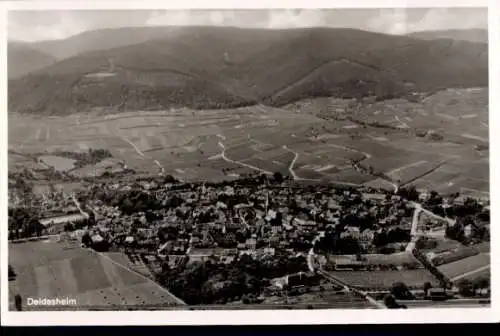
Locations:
269 250
251 243
302 279
279 282
460 200
366 237
351 232
468 229
373 196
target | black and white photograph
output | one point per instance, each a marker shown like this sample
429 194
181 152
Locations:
247 159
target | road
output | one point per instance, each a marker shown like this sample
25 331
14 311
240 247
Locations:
298 178
133 146
225 158
86 215
463 275
411 246
402 123
350 289
310 263
162 169
365 154
292 164
243 220
156 162
413 164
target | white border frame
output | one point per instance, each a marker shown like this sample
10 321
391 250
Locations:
261 317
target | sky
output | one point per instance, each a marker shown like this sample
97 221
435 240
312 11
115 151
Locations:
59 24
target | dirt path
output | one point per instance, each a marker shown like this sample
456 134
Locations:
403 124
292 164
225 158
133 146
407 166
477 270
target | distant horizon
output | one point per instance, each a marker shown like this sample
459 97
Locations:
236 27
52 25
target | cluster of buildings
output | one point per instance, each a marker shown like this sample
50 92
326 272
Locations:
227 219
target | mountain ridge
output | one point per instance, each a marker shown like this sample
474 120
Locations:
472 34
223 67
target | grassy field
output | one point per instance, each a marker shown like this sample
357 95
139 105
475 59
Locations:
50 269
218 144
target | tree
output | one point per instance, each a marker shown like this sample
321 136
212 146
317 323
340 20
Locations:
465 288
169 179
278 177
12 274
390 302
481 283
427 286
18 301
455 232
401 291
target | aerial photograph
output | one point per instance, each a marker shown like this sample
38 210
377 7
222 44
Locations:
248 159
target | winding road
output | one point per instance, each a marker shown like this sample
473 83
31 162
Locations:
225 158
292 164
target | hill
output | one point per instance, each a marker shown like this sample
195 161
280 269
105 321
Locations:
101 39
471 35
211 67
22 59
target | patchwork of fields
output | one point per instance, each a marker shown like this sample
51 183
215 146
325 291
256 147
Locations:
294 140
93 279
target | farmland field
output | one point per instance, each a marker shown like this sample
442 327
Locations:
92 279
464 266
328 298
58 162
294 140
385 279
483 273
396 259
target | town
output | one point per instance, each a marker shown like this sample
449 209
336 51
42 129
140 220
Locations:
269 240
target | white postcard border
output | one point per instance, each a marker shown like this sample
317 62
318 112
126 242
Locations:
260 317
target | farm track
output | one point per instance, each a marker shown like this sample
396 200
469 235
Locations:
223 156
433 169
156 162
410 165
134 146
466 274
292 164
